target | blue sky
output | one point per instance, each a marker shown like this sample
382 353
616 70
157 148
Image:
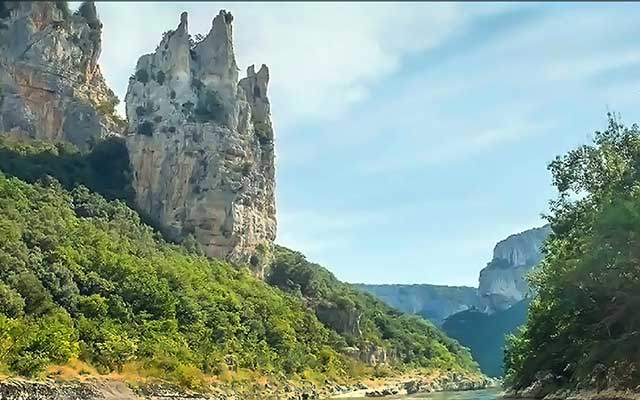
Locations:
411 137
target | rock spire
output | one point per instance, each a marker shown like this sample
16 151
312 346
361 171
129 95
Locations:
201 145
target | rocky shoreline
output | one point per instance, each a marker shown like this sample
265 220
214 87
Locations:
110 389
607 394
546 387
423 384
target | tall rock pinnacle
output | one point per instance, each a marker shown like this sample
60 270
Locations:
201 145
51 83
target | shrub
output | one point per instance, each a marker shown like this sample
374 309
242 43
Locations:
105 108
105 169
36 298
11 303
145 128
160 77
142 76
51 339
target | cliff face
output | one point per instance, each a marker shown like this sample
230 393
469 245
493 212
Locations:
433 302
201 145
502 282
51 85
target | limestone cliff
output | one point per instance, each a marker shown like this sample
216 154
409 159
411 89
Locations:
433 302
502 282
201 145
50 82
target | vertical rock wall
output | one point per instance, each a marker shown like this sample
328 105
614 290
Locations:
503 282
201 145
50 82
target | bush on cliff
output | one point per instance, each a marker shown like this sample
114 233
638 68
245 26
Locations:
583 328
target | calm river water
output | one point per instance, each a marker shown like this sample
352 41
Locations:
485 394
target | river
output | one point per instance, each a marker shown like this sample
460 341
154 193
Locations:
484 394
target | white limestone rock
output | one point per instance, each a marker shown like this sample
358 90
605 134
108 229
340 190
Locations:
502 282
201 145
51 83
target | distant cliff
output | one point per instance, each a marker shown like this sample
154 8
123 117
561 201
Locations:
478 318
502 282
433 302
51 86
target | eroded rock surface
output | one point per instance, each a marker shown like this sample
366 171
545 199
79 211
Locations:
51 84
201 145
502 282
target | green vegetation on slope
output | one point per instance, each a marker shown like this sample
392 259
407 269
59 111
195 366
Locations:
484 334
104 170
583 328
83 277
363 321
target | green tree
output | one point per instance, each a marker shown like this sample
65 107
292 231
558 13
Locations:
583 328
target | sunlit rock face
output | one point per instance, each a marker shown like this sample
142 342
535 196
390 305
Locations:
201 145
502 281
433 302
51 85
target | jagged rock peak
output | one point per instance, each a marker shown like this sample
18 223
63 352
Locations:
201 145
52 84
215 55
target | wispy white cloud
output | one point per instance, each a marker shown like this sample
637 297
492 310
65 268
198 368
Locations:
364 104
513 80
324 57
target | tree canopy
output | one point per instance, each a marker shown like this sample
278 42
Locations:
583 327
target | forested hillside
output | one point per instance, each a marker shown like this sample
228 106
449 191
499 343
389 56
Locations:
363 321
484 334
83 278
583 329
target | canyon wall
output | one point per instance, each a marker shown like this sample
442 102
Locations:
51 86
502 282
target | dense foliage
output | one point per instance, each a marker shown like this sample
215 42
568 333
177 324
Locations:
583 328
83 277
363 321
104 170
484 334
